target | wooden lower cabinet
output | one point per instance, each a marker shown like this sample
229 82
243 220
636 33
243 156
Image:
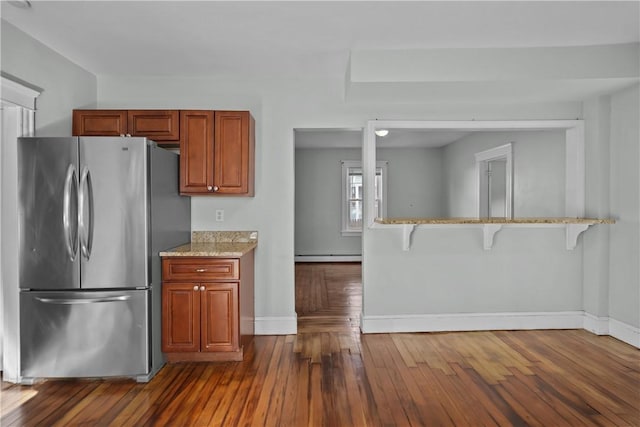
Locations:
210 317
219 317
180 317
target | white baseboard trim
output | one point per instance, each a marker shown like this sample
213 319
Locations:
327 258
596 325
624 332
276 325
472 322
501 321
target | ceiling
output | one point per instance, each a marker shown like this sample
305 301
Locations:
302 38
397 138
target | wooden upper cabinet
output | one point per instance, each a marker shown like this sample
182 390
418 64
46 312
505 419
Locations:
99 122
162 126
217 148
234 152
217 153
158 125
196 152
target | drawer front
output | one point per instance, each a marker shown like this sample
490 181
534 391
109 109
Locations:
200 269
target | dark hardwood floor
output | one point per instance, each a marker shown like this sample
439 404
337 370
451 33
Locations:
330 375
328 297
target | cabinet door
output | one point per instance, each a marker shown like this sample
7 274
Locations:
99 122
158 125
196 152
219 316
234 152
180 317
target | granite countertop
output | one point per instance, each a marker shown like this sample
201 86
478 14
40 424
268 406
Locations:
493 221
215 244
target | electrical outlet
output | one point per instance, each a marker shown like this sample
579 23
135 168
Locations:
219 215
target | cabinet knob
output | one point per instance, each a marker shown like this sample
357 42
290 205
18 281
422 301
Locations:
216 188
200 270
195 288
209 187
202 288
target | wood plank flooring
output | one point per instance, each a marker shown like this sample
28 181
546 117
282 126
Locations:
337 377
328 297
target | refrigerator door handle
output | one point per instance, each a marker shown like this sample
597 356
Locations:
86 208
70 301
69 220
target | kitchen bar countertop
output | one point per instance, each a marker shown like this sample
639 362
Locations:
215 244
418 221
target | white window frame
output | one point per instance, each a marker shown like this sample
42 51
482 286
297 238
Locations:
347 165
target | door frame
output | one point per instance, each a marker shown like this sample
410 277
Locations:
18 119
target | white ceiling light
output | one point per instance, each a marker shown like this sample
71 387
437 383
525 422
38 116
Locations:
381 132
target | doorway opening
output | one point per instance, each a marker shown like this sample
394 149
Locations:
495 182
328 271
328 296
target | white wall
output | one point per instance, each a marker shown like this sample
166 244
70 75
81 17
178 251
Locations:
448 272
597 116
414 189
538 172
624 270
318 213
415 185
64 86
611 292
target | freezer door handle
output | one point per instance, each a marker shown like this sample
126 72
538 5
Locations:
69 301
70 212
86 213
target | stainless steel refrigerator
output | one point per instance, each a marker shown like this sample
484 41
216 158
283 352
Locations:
94 213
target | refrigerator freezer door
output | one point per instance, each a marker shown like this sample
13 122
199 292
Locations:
48 210
84 334
113 212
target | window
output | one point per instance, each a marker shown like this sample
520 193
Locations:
353 195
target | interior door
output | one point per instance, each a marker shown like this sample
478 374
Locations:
113 216
497 188
48 208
